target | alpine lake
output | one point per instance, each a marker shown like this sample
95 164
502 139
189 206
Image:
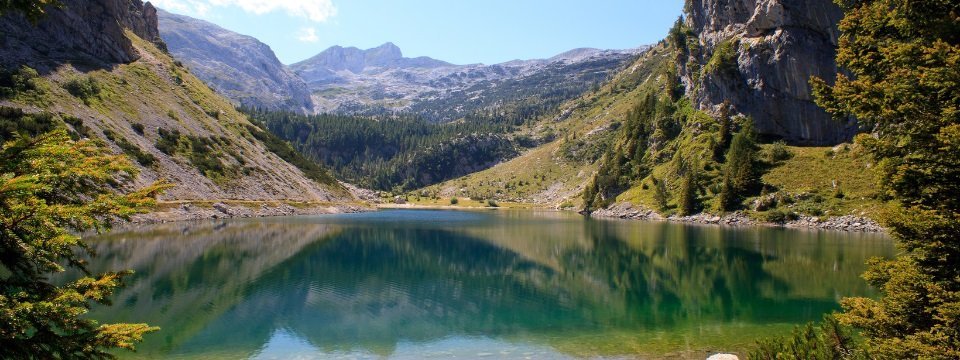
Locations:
523 284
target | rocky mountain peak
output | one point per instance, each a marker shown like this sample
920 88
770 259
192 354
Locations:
83 31
386 52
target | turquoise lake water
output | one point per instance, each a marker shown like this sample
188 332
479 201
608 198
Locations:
415 284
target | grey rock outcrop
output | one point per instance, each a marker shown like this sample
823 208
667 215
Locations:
83 32
239 67
777 46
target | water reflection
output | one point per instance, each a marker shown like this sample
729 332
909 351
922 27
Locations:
511 283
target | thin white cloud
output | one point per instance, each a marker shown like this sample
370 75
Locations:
315 10
308 34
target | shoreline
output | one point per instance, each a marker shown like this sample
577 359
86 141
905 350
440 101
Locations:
846 223
188 210
174 211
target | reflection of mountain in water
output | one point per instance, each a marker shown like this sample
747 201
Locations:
369 285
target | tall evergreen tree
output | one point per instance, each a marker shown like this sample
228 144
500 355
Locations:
904 58
688 192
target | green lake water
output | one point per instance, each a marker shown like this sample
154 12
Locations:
415 284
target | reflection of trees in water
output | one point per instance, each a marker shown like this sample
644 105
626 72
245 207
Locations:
368 287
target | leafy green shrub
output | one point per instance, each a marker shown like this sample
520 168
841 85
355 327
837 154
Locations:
779 152
168 141
79 129
17 81
83 88
454 201
828 341
137 128
724 58
492 203
15 121
131 150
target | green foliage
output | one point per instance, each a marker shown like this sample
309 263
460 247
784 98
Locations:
17 81
660 194
727 199
454 201
286 152
51 189
741 176
827 341
168 141
724 58
904 58
84 88
688 203
384 153
492 203
778 152
202 152
14 122
133 151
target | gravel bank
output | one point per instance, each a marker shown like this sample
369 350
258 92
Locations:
739 218
183 211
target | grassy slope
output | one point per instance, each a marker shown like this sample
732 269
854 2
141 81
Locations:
543 175
156 92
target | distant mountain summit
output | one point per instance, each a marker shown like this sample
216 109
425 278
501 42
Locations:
381 80
323 67
239 67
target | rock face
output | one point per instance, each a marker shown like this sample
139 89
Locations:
239 67
82 32
380 80
773 48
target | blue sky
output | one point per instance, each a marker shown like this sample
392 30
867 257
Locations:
458 31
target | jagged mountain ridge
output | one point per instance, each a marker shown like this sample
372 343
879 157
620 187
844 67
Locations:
238 66
380 80
98 75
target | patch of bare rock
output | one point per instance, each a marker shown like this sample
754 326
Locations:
852 223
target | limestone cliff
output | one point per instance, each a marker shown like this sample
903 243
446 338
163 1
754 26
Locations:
759 55
80 31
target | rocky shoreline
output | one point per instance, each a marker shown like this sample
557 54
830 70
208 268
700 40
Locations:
837 223
185 211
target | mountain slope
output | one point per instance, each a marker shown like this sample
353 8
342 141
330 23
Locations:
648 140
381 81
140 102
240 67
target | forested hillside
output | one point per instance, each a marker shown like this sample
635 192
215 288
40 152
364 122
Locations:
400 153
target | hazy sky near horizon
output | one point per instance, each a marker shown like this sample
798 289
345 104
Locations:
457 31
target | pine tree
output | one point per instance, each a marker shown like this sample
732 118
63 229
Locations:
688 193
660 194
52 188
741 162
727 199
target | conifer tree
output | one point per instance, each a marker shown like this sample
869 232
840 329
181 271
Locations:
688 192
51 189
904 62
